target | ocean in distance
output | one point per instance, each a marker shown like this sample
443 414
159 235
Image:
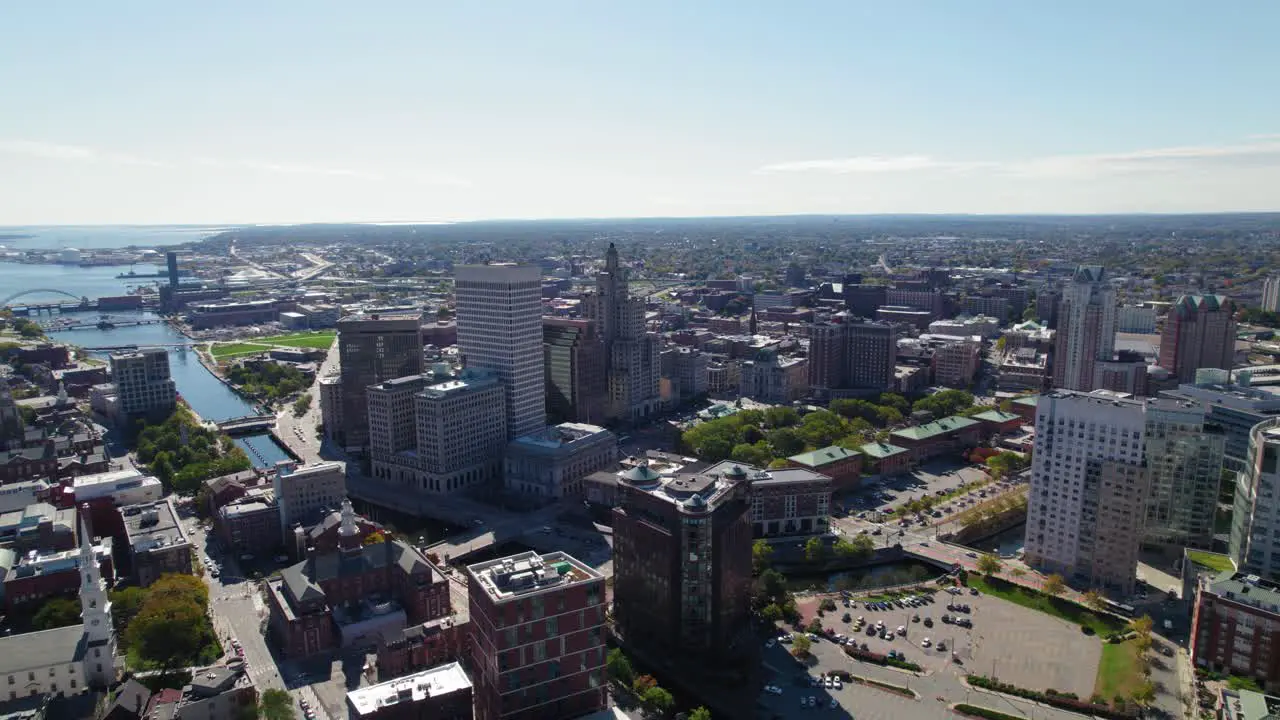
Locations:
102 237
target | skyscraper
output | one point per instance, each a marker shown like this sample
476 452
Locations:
373 349
1199 332
499 311
1089 488
1184 457
1086 329
828 357
632 361
574 360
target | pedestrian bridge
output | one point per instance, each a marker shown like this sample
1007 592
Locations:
247 425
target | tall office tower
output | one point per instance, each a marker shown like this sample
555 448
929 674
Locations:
1271 294
1088 488
573 356
873 348
171 263
1256 516
682 566
1048 302
1199 332
1184 458
537 637
632 359
143 383
1086 329
828 357
373 349
499 310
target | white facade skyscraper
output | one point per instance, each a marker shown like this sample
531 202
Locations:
1086 329
499 310
1089 488
1271 293
1255 519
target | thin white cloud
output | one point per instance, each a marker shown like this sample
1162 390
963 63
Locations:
869 164
286 168
1258 151
58 151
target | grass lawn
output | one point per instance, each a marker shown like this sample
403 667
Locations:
319 342
228 349
1213 561
285 339
1119 670
1036 600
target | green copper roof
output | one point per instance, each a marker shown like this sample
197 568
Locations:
935 428
880 451
823 456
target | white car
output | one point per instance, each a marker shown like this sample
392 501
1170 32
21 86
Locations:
839 682
925 643
829 683
773 689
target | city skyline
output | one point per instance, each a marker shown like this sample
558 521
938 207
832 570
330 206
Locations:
418 113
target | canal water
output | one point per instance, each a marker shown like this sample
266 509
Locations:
207 395
1006 543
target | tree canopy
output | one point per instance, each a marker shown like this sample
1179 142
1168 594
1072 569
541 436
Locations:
183 453
171 628
57 612
275 704
944 403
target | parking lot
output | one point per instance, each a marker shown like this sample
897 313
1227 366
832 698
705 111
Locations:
1016 644
928 479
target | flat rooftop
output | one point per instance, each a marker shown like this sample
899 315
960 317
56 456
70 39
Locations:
558 436
527 573
433 682
152 527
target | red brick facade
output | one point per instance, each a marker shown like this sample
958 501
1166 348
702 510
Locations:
423 646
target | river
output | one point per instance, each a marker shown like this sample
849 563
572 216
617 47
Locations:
206 394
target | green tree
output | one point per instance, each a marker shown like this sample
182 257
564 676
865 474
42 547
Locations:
988 564
302 405
814 549
700 713
172 627
275 704
780 417
944 403
771 588
761 553
771 613
785 442
55 613
860 547
1144 694
619 668
1093 600
125 604
1054 585
814 626
895 401
757 454
643 683
854 408
657 700
821 428
800 646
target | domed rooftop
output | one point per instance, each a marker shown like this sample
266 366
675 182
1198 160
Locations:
736 473
641 474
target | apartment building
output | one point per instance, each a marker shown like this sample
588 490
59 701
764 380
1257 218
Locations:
1255 520
872 350
537 637
1086 328
143 384
682 568
1089 486
1236 407
1136 319
1199 332
1184 457
1235 626
157 542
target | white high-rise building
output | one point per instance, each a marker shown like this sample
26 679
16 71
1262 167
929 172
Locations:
1086 329
1271 293
1089 488
1255 519
499 310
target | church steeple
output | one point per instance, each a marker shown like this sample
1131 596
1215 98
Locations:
95 604
349 540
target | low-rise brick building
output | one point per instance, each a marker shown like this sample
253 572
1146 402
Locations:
432 643
884 459
1235 626
785 501
842 465
441 693
931 440
998 422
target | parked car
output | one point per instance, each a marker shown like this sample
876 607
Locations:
773 689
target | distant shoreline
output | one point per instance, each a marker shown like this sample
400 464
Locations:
15 236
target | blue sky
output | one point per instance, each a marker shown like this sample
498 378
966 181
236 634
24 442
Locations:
236 112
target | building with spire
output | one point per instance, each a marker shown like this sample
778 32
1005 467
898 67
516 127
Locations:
631 354
66 660
363 593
